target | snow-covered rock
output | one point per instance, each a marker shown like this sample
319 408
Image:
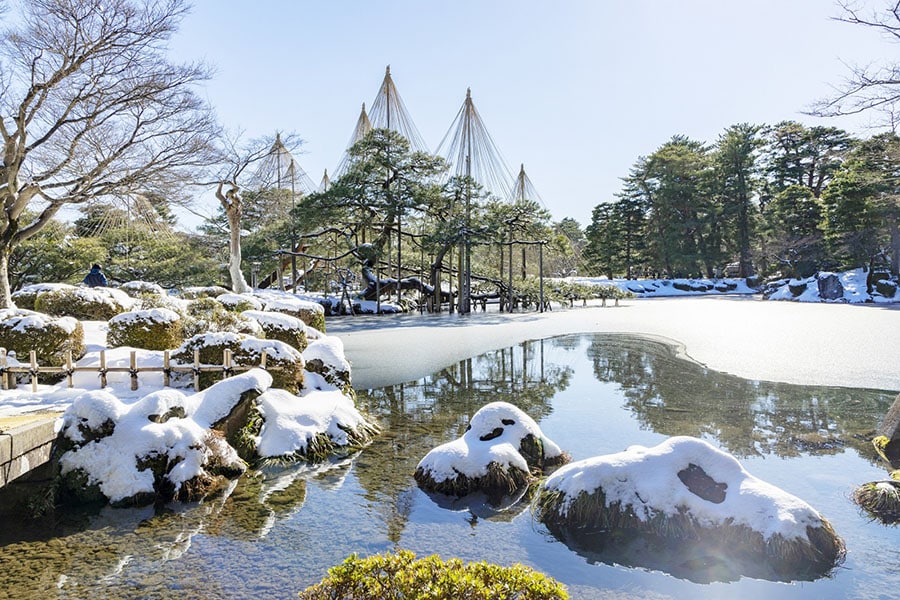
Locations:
686 489
497 453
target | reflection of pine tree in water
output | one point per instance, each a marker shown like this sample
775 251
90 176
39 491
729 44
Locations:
674 396
420 415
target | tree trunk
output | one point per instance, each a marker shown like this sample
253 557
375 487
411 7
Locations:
895 246
232 204
5 293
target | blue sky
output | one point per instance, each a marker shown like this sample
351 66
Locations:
576 90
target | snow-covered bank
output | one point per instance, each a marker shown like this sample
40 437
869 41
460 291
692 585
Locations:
846 287
803 343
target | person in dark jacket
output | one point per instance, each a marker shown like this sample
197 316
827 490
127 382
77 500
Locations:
95 278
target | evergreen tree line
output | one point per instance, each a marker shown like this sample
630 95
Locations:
785 200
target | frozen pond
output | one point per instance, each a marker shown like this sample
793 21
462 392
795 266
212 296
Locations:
278 532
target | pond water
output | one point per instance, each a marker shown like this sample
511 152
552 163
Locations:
277 532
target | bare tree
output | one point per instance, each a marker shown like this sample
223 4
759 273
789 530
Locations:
91 108
243 166
874 86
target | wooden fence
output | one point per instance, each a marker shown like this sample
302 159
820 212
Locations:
8 373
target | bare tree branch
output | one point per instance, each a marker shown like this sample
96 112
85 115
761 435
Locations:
875 86
91 108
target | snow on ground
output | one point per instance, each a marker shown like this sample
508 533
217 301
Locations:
853 282
651 288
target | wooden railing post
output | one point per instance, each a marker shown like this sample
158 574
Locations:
3 364
34 370
197 370
166 368
102 369
69 369
133 370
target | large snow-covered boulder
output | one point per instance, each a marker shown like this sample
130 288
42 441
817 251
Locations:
160 448
687 490
168 445
497 453
312 426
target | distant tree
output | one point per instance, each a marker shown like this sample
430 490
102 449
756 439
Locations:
567 245
54 254
862 204
385 182
794 222
682 219
602 254
736 183
806 156
92 108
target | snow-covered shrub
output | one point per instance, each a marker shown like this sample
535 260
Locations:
325 359
25 297
86 304
498 452
311 313
280 326
239 302
195 292
139 289
50 337
206 315
154 329
283 361
686 490
402 575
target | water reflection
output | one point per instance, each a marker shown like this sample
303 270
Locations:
277 532
673 396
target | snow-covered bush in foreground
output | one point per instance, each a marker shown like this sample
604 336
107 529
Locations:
497 453
50 337
685 489
168 445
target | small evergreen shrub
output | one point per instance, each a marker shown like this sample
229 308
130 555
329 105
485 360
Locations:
26 297
283 362
139 289
280 326
311 313
206 315
401 575
195 292
50 338
86 304
239 302
154 329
